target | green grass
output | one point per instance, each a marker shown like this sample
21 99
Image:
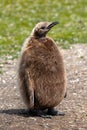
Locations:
17 18
1 72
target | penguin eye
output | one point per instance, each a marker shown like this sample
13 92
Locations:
43 27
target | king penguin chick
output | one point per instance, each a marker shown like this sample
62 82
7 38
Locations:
41 73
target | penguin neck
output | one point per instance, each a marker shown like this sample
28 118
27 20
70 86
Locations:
42 38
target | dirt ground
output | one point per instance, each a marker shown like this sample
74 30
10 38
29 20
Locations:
13 113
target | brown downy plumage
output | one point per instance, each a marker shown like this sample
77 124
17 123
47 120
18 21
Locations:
41 73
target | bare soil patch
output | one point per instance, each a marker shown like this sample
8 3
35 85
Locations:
13 114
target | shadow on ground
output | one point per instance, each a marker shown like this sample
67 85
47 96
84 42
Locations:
19 112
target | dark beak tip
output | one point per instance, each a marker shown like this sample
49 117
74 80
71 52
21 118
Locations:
56 22
52 25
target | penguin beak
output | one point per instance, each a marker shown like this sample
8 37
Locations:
52 25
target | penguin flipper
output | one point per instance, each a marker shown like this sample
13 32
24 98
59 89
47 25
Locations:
27 89
65 95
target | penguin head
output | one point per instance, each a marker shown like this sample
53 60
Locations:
42 28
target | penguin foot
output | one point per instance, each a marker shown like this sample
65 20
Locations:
39 113
53 112
46 116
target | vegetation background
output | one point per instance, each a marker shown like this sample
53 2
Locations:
17 18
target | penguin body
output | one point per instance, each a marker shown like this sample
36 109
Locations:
41 74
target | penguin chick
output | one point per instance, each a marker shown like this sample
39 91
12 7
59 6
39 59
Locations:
41 73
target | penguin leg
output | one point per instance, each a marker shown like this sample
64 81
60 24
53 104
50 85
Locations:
53 112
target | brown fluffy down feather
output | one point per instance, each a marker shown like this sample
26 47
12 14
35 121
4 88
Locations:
41 73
